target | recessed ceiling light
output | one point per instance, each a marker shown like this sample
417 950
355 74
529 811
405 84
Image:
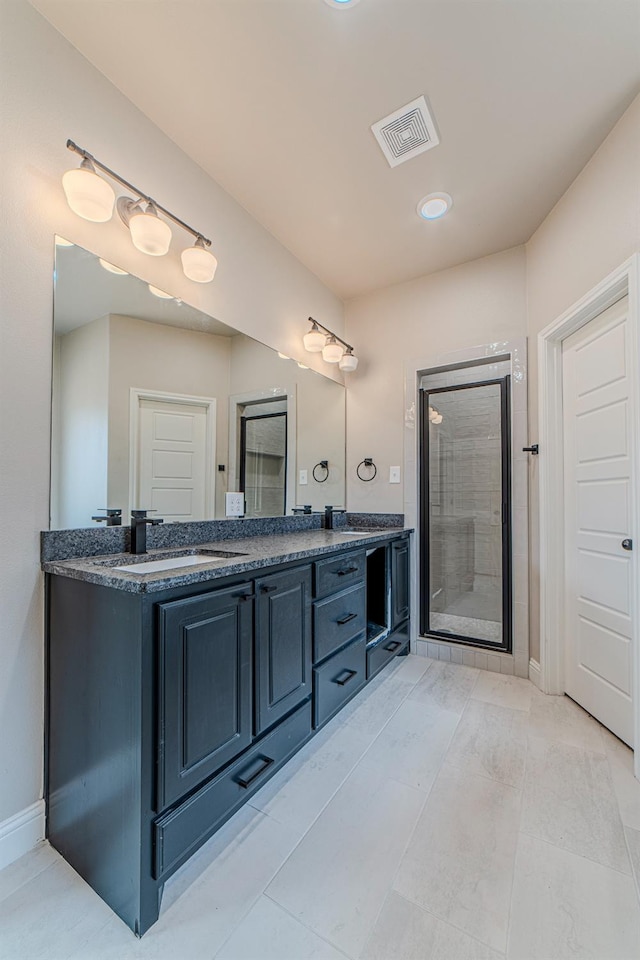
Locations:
434 206
111 267
341 4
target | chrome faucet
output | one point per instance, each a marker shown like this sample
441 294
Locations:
139 522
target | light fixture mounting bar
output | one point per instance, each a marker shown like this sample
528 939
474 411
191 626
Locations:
331 333
139 193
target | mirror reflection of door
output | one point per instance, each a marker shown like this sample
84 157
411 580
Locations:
174 453
263 464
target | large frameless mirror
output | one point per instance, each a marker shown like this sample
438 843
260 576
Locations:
158 406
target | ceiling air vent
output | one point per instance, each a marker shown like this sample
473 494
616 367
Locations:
406 132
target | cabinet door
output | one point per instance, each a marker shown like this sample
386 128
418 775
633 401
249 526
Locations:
283 644
204 687
399 582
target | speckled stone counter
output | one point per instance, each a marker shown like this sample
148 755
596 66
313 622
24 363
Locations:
243 555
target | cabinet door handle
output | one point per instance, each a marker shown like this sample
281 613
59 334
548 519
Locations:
247 781
347 618
345 676
267 588
241 596
343 573
393 645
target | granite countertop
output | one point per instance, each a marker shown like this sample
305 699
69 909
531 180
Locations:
242 556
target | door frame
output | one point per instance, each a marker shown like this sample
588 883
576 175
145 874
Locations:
624 281
506 646
136 394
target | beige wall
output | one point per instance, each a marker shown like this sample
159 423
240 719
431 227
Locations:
49 93
592 230
477 303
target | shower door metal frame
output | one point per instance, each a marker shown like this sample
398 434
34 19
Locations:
243 449
424 580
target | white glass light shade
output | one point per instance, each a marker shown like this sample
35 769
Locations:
332 351
198 263
149 233
303 366
61 242
434 206
88 195
157 292
314 340
348 362
111 268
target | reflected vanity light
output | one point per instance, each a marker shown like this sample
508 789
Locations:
92 197
157 292
61 242
334 348
111 268
434 416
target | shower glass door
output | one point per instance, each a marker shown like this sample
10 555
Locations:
465 526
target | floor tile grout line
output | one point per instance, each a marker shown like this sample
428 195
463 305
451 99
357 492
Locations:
322 936
580 856
515 853
449 922
35 876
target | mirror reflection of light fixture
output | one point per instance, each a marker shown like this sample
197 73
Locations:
111 268
334 348
93 198
302 366
61 242
88 195
157 292
434 416
283 356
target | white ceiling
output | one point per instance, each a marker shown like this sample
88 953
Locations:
275 99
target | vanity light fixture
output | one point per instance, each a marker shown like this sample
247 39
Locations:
111 268
434 206
93 198
283 356
61 242
302 366
334 348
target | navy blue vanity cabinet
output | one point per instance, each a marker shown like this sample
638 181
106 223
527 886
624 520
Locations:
204 687
282 644
399 582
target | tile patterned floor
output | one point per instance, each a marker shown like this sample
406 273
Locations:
447 813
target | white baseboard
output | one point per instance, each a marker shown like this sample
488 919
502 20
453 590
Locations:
534 673
21 832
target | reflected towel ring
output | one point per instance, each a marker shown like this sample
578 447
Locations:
324 464
367 462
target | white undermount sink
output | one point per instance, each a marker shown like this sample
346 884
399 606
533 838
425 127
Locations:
172 563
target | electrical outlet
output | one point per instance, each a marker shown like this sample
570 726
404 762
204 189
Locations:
234 504
394 474
304 478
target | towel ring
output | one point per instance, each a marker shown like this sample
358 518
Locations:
367 462
324 464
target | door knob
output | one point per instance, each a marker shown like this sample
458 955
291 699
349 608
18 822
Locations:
627 544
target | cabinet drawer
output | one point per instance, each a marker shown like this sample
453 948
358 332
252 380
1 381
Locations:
180 832
337 620
339 572
386 649
337 680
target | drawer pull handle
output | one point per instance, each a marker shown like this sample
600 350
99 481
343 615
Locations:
267 588
346 619
345 676
240 596
343 573
247 781
393 645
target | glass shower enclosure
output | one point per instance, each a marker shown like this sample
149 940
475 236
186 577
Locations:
465 534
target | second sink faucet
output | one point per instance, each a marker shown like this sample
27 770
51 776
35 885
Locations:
139 522
329 512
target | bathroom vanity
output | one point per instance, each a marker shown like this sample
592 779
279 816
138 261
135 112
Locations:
175 694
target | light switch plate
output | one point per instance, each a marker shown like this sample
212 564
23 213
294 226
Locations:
394 474
234 504
304 478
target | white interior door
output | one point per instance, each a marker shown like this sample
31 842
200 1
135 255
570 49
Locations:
599 600
174 463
